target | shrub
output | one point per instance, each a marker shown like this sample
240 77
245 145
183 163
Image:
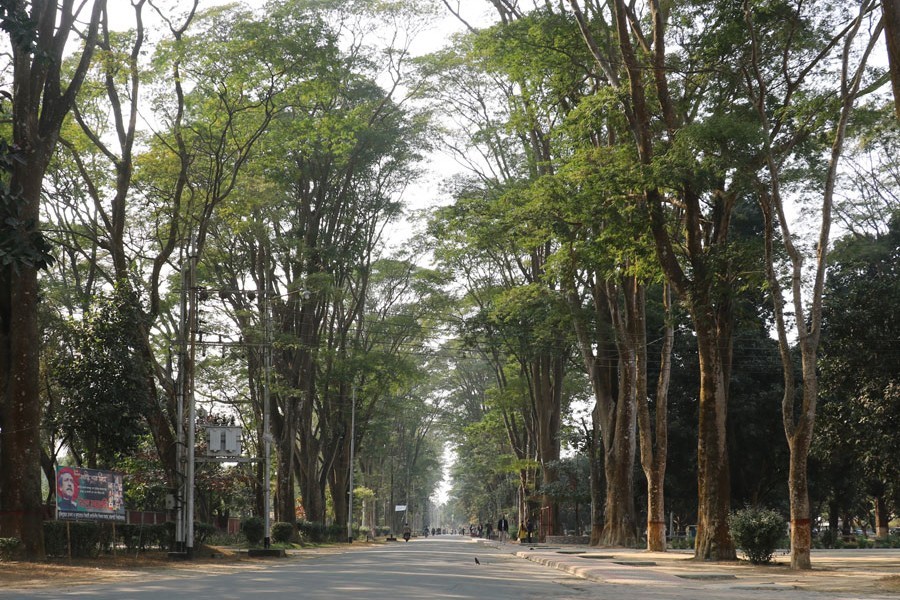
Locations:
336 533
318 533
682 543
282 532
830 538
254 530
757 532
86 538
8 547
202 532
311 531
222 538
139 536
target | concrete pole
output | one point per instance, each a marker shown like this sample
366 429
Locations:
352 448
267 437
192 409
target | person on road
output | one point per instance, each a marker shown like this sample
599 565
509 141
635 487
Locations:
503 528
529 528
407 532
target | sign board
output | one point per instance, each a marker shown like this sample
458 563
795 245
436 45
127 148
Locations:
400 508
89 495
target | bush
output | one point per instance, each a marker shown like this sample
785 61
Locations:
318 533
282 532
202 532
222 538
141 537
8 547
86 538
757 532
830 538
254 530
682 543
311 531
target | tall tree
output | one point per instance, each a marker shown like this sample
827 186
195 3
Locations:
808 48
39 34
859 361
319 198
103 386
689 206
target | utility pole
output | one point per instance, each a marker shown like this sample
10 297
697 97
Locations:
192 409
267 437
181 383
352 448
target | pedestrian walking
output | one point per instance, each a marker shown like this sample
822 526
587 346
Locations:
503 528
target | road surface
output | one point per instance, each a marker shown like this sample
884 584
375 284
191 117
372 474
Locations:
439 568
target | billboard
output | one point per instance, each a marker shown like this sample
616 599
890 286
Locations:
89 495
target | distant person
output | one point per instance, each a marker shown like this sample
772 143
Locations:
407 532
529 527
503 528
66 490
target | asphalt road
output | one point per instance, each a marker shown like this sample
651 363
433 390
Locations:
438 568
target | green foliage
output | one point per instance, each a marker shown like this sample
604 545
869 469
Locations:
202 532
103 380
573 485
860 411
254 529
319 533
141 537
282 532
87 539
682 543
757 531
146 488
21 242
8 547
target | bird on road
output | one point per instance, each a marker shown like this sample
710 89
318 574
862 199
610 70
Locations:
477 562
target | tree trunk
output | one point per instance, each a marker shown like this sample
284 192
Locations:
620 524
597 480
713 481
21 512
891 10
307 463
40 103
654 438
285 500
801 526
882 518
547 381
339 483
656 512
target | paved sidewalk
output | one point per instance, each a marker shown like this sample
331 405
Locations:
862 573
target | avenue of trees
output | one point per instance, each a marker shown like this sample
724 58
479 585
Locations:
662 285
